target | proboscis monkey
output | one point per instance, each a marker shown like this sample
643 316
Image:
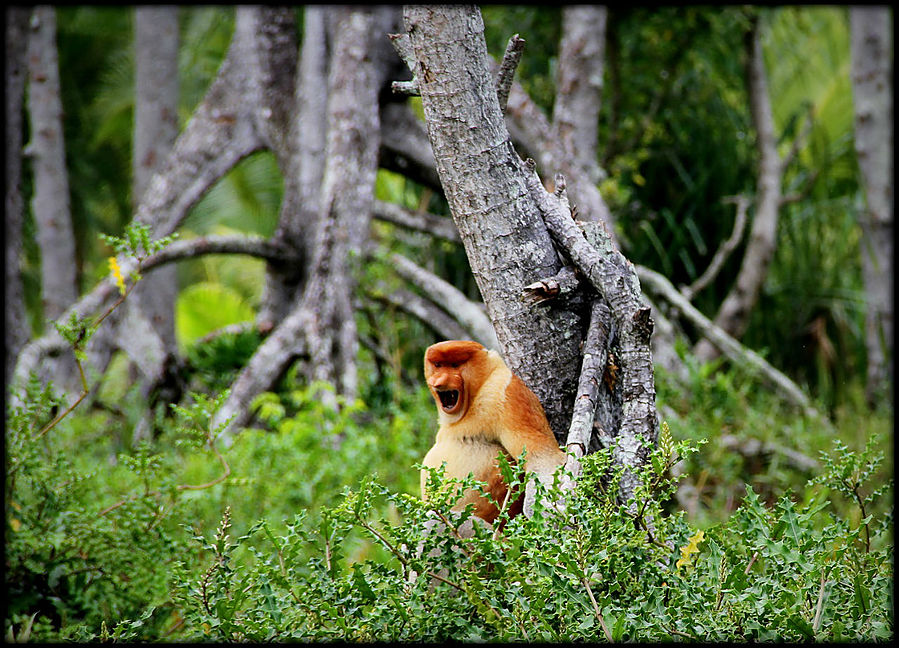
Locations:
483 409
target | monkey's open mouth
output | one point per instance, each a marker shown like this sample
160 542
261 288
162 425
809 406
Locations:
448 399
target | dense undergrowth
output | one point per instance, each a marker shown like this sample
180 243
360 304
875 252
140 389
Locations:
308 527
752 521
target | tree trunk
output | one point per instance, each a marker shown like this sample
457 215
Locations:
146 330
155 130
576 108
321 324
733 314
872 52
505 217
487 192
50 204
17 327
302 168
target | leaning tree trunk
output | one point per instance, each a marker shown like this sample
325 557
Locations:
17 327
733 314
872 54
234 120
488 196
509 224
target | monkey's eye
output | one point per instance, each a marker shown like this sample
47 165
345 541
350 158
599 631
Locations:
437 365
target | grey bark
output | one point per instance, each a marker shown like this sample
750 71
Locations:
322 322
146 328
733 314
155 131
872 56
50 201
303 165
470 315
568 144
487 192
50 204
579 89
17 327
625 415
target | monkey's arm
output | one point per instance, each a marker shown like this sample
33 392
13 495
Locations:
523 427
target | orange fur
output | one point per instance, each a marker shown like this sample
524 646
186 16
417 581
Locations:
483 410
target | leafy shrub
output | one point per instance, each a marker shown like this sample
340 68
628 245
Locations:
604 571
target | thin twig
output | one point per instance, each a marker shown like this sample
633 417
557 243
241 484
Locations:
751 562
724 251
501 510
596 610
820 606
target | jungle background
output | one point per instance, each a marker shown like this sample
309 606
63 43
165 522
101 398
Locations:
128 520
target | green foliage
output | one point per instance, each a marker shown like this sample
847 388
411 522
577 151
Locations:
164 542
136 241
202 308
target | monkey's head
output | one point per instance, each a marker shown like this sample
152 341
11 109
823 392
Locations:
454 370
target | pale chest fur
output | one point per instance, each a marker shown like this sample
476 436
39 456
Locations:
468 448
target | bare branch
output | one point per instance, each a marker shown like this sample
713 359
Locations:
592 251
439 226
425 310
594 362
106 291
221 244
403 47
469 314
563 283
724 251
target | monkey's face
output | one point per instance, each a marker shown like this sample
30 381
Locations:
448 372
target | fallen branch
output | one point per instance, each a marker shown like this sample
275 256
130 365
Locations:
594 362
633 426
735 351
